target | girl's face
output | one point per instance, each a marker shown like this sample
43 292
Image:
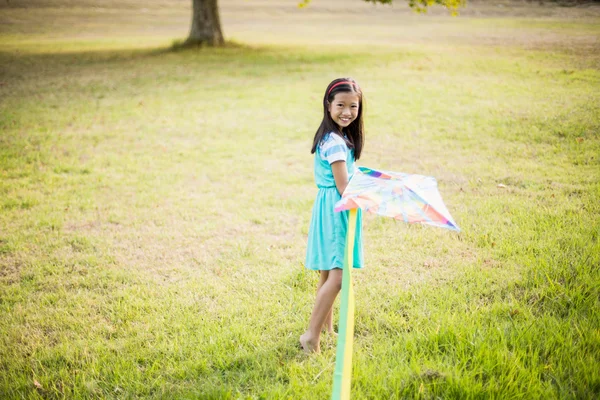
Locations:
344 108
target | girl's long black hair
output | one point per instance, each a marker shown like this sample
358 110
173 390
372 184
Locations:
354 131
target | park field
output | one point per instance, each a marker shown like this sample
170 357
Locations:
155 202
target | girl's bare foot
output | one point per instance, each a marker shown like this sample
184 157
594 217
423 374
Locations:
329 330
309 344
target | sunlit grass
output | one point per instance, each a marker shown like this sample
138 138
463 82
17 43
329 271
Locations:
154 207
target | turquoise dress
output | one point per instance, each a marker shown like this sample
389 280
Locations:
327 233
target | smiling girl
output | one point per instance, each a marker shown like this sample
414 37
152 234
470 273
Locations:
337 144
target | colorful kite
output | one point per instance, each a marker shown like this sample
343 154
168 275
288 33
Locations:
411 198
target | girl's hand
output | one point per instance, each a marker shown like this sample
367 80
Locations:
340 175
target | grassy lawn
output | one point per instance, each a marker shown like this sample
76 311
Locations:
154 204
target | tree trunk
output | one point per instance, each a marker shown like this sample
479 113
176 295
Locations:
206 24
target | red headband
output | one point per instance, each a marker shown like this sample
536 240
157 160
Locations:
340 83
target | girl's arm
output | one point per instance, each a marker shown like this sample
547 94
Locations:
340 175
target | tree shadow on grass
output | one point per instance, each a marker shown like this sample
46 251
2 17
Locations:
32 65
180 45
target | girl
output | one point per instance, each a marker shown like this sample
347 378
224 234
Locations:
337 144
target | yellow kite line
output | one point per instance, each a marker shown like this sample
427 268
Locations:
343 358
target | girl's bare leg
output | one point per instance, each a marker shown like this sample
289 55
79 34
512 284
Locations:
323 304
328 324
322 279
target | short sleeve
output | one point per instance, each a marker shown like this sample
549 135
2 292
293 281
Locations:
333 148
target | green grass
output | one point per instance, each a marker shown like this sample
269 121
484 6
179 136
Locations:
154 208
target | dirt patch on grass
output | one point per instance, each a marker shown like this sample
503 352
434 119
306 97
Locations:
10 269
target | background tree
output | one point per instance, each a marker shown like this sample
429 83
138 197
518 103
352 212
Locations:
206 23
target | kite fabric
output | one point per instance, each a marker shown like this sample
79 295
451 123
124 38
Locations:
408 197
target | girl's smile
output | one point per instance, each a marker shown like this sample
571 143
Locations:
344 108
